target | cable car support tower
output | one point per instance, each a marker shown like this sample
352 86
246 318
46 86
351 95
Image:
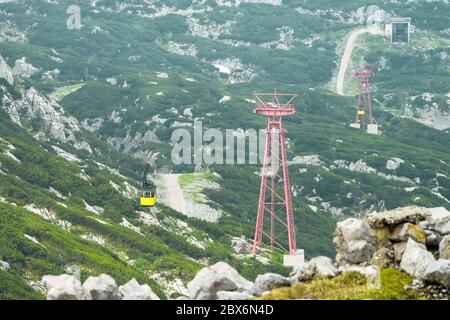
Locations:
275 200
364 106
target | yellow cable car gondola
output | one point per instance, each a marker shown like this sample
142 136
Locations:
361 112
148 196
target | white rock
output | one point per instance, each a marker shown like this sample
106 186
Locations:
5 71
63 287
354 242
102 287
320 267
415 259
24 69
134 291
5 266
404 231
444 248
411 214
240 245
233 295
366 271
224 99
219 277
394 163
269 281
310 160
439 220
438 272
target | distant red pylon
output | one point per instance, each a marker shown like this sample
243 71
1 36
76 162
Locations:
364 97
275 196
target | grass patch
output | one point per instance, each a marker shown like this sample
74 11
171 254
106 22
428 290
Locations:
348 286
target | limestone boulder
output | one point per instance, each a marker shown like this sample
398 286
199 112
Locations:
132 290
415 259
240 245
438 272
269 281
354 241
399 249
382 237
319 267
444 248
392 218
63 287
233 295
103 287
218 277
407 230
439 220
384 258
5 266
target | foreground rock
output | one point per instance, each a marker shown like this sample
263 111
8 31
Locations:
233 295
63 287
415 259
134 291
392 218
385 257
444 248
439 221
438 272
318 267
405 231
354 242
270 281
218 277
102 287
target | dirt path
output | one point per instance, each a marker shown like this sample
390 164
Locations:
346 58
173 195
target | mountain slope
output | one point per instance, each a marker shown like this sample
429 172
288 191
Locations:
86 108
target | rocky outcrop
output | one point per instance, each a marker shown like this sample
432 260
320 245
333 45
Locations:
354 242
392 218
27 104
24 69
218 277
5 72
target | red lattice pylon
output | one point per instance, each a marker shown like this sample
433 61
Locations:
275 192
364 98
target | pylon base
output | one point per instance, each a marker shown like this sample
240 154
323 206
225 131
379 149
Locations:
372 129
355 125
294 259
